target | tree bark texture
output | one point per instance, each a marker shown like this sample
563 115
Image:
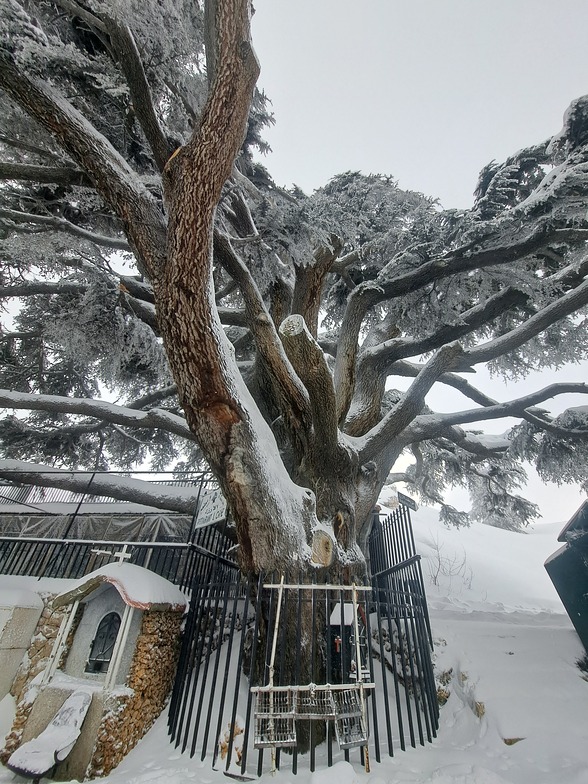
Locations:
274 517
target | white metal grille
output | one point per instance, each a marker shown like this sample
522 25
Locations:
274 732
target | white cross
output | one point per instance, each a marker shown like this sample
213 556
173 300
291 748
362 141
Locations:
120 556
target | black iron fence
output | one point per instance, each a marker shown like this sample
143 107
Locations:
181 563
394 562
51 542
271 677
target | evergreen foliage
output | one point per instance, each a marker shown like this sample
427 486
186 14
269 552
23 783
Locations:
389 285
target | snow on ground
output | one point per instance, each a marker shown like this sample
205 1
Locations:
509 653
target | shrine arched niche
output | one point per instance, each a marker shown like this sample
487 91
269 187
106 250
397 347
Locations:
94 639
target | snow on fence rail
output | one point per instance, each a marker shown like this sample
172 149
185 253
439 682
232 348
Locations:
179 562
31 495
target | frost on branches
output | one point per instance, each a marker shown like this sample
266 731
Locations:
165 301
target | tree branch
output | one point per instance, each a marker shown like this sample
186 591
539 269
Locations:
431 425
509 247
503 244
358 303
227 289
310 280
376 360
475 445
564 306
60 175
403 413
154 397
125 48
144 311
178 499
411 370
117 183
107 412
309 363
399 476
183 98
233 318
19 144
75 9
19 335
291 394
555 430
465 323
32 288
137 288
360 254
61 224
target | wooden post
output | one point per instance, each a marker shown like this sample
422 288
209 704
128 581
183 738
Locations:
271 670
359 675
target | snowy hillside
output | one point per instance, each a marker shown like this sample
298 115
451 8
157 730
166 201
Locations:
517 706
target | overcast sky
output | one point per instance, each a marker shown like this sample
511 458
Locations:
428 91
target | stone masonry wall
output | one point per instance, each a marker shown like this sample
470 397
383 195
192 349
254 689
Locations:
128 716
32 664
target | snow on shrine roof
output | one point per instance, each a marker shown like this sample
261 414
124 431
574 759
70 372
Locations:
137 586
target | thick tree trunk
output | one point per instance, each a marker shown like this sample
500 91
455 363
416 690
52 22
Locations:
274 517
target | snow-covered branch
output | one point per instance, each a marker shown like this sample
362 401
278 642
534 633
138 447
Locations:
31 288
137 288
144 311
503 243
359 254
154 397
107 412
411 370
62 224
377 359
310 279
564 306
540 422
173 499
500 248
360 300
432 425
291 394
464 324
22 144
75 9
368 294
482 445
231 317
309 363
